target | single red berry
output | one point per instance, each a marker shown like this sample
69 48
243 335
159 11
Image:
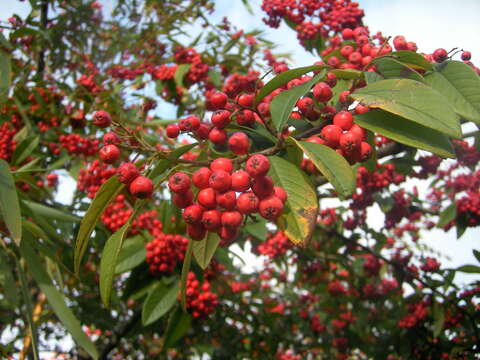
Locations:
221 118
322 92
207 198
240 181
245 117
102 119
203 131
200 177
466 56
227 233
222 164
361 109
245 100
317 140
220 180
270 208
141 187
239 143
172 131
211 220
440 55
262 186
355 58
227 200
183 200
196 232
179 182
232 219
111 138
217 136
127 172
331 135
357 129
350 141
305 106
344 119
218 100
346 51
190 123
193 214
110 153
400 43
247 203
257 165
280 193
365 151
347 34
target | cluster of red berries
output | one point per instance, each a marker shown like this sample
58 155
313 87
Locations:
91 179
198 70
201 301
89 83
78 145
217 207
164 252
275 245
7 143
468 208
416 313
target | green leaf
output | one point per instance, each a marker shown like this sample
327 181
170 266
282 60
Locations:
131 255
282 105
9 206
7 281
56 300
5 75
185 269
158 303
411 59
24 149
283 78
371 77
51 212
390 68
301 207
447 215
257 229
103 197
459 83
406 132
476 253
472 269
332 165
178 325
203 250
347 74
438 319
412 100
180 73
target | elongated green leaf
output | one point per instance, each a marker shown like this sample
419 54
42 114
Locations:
180 73
185 269
282 105
283 78
203 250
447 215
178 325
5 71
406 132
411 59
7 281
56 300
332 165
476 253
390 68
24 149
300 214
158 303
132 254
104 196
459 83
371 77
347 74
9 206
414 101
472 269
51 212
439 319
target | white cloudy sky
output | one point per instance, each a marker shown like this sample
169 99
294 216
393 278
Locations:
430 23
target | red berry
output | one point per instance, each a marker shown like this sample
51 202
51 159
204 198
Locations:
222 164
173 131
193 214
355 58
240 181
346 51
322 92
361 109
221 118
440 55
245 118
232 219
200 177
466 55
196 232
271 208
110 153
357 129
305 106
217 136
239 143
207 198
344 119
227 200
247 203
347 34
141 187
245 100
331 134
220 180
190 123
365 151
280 193
102 119
203 131
127 172
111 138
179 182
350 141
211 220
257 165
218 100
184 199
262 186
